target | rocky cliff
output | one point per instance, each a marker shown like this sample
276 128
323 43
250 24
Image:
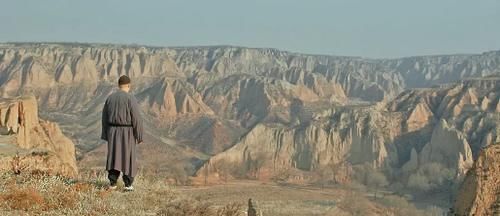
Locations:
480 191
351 135
445 125
21 129
447 147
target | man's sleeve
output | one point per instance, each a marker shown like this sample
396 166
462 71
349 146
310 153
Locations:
136 120
104 121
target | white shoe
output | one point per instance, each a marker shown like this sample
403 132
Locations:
112 187
130 188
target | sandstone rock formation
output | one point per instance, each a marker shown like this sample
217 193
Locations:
448 147
21 126
404 132
480 191
459 105
171 98
344 135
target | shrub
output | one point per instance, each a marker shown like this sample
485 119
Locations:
231 209
432 176
16 165
22 199
186 207
356 204
370 177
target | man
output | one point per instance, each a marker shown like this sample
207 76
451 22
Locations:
122 128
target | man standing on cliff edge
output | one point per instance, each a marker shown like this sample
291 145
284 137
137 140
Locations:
122 128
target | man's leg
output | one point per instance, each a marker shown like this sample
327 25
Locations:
113 176
128 180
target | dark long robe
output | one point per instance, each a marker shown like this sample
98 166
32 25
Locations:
122 128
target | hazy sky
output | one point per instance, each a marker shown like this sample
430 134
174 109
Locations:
370 28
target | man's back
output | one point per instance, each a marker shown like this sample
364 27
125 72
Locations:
118 108
121 110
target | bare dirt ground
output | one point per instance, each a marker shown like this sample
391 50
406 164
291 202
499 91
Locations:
271 198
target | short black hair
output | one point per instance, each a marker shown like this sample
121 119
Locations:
124 80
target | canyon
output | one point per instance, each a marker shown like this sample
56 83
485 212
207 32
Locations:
265 110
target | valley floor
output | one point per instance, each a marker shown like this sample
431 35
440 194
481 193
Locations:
270 198
39 194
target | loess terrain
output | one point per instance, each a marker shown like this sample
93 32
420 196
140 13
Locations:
409 128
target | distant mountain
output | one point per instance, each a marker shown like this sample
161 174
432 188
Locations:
290 110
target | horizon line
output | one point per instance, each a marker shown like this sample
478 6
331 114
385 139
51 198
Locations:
138 45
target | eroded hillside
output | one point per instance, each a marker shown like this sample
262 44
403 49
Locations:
28 143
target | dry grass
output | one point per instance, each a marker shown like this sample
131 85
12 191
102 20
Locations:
16 165
22 199
40 194
46 195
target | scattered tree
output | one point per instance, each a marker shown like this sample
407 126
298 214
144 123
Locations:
376 180
431 177
224 169
255 164
367 175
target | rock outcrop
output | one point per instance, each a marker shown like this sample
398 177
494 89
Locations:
459 104
480 191
448 147
20 125
170 98
250 99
